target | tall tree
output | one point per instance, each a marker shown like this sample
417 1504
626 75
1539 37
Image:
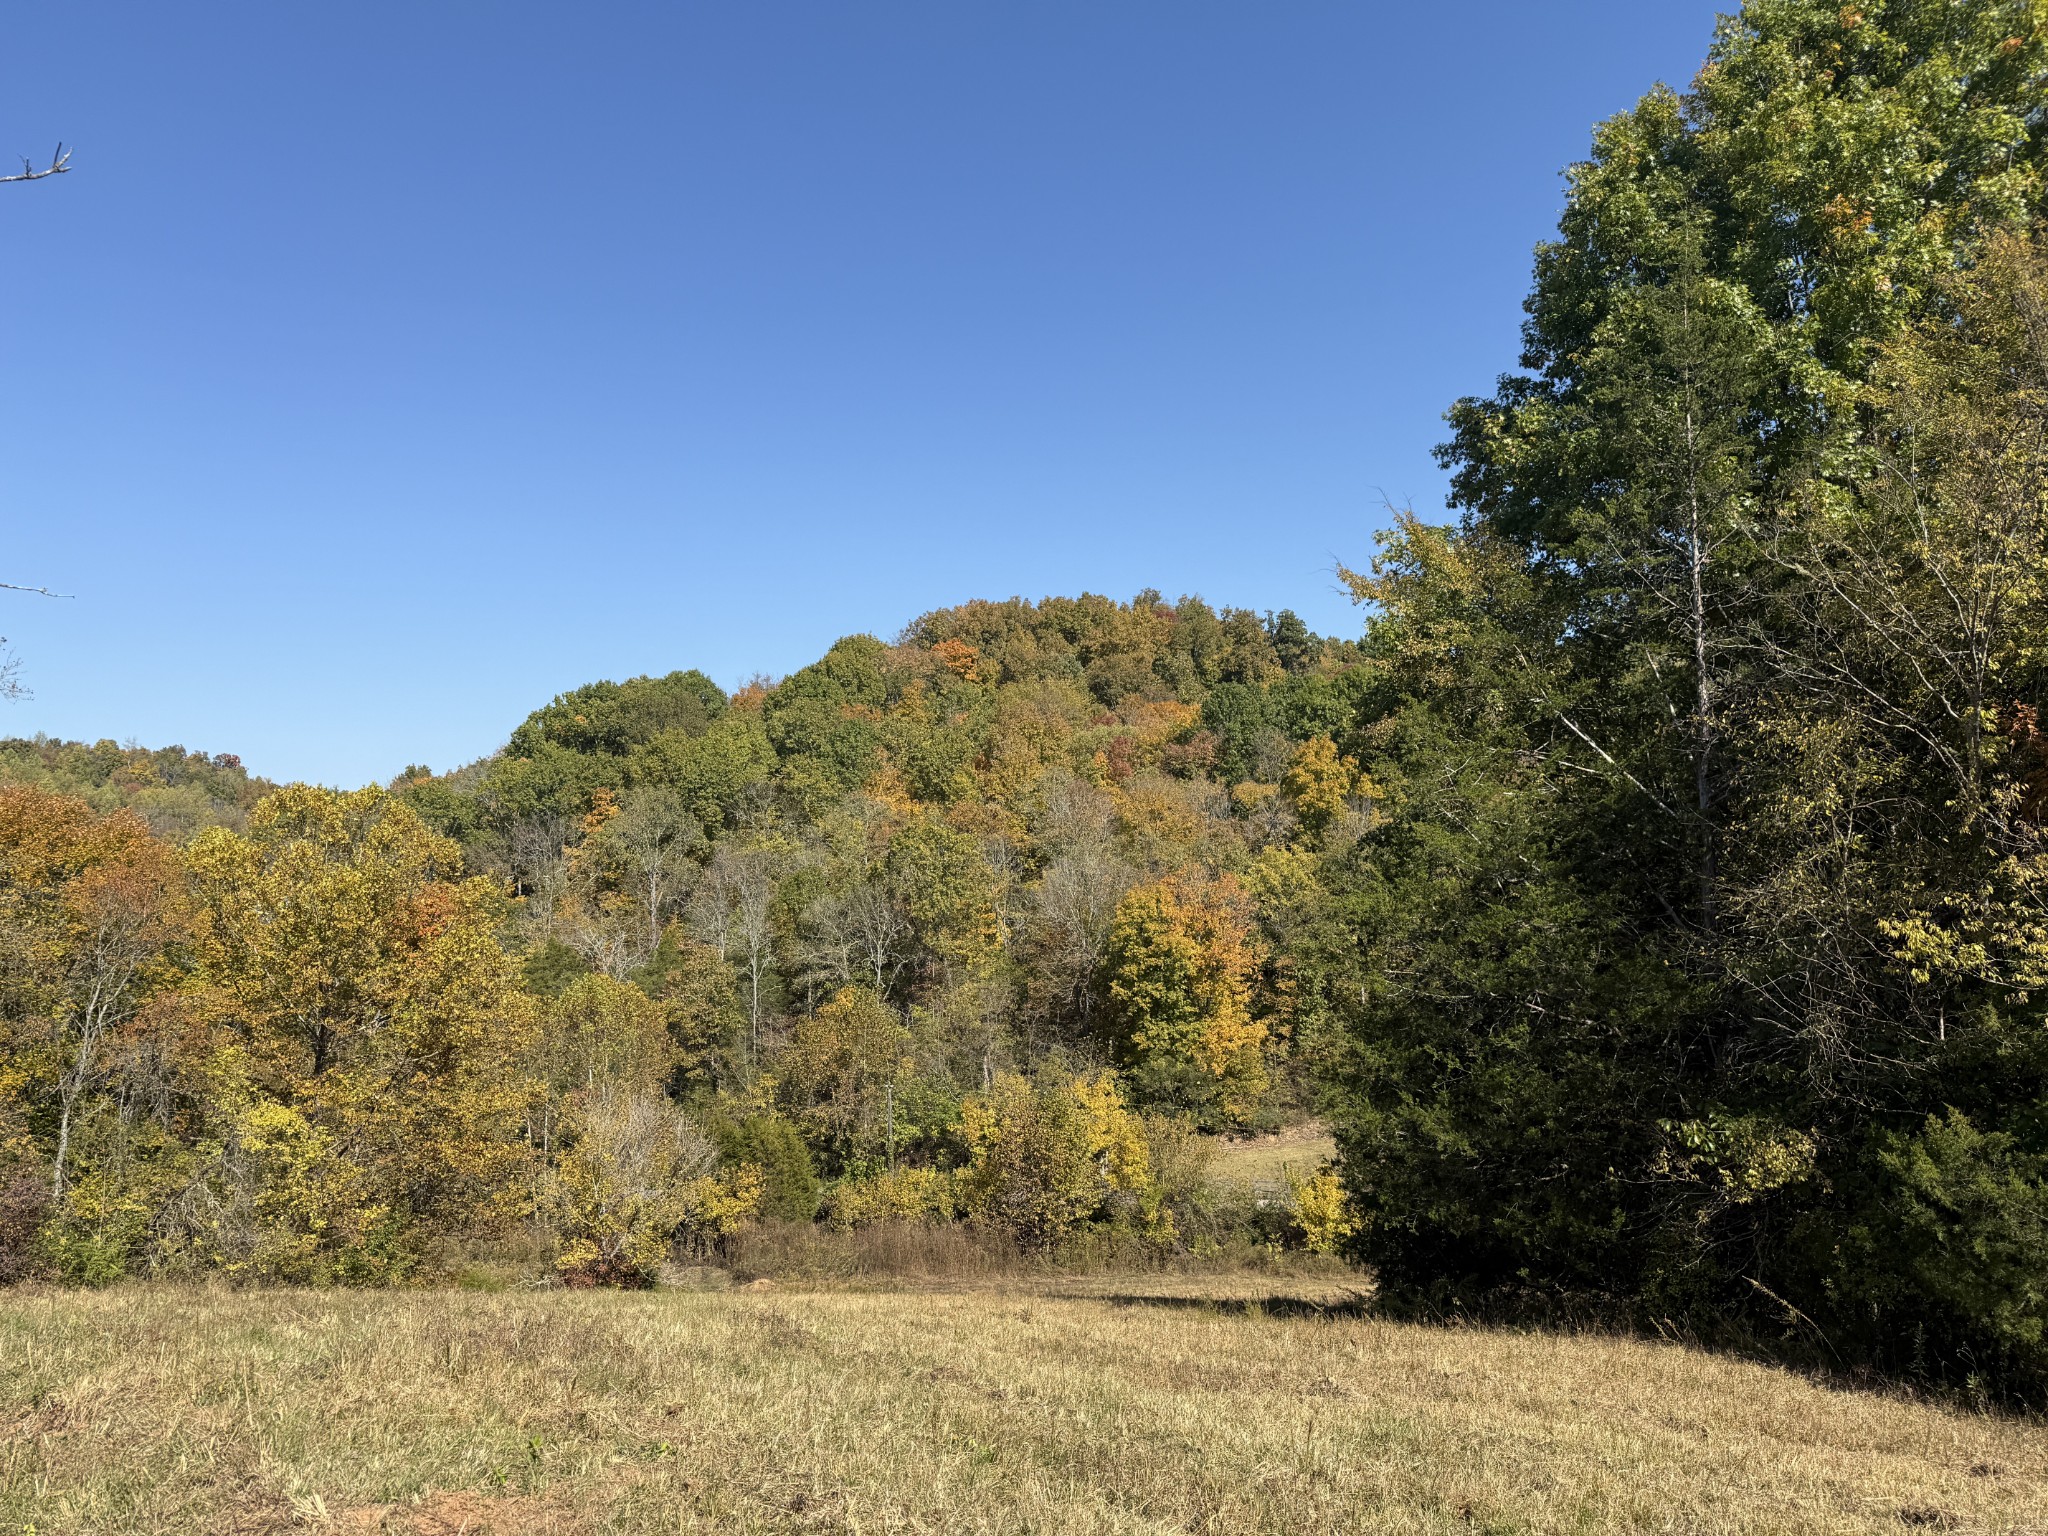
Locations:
1645 961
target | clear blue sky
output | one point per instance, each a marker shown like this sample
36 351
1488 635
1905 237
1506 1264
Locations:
384 369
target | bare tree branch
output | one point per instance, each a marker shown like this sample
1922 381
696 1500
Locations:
8 586
60 162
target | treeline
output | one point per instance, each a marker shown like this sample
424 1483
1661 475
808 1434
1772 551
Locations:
175 791
1655 899
964 927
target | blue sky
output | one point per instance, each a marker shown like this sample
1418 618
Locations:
384 369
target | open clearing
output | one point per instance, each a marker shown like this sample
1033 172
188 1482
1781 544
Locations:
1130 1406
1261 1164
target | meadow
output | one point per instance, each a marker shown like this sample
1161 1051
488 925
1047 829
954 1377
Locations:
1109 1404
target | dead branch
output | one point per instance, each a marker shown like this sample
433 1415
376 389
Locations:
60 162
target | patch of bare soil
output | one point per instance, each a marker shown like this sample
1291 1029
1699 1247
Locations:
462 1513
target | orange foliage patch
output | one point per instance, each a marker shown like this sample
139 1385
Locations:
959 658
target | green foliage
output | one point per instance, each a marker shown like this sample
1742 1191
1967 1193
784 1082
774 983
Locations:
1241 718
947 890
836 1077
1969 1232
714 771
700 1002
551 966
1701 856
366 1053
175 791
1045 1158
789 1180
1656 895
615 718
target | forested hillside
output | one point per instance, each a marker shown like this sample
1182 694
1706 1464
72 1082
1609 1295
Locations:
980 923
1027 830
1654 898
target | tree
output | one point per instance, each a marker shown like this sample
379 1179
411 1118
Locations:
839 1069
654 835
89 906
1180 963
701 1010
735 913
789 1180
597 1031
1065 929
948 890
363 983
1687 760
1320 785
635 1171
540 869
714 773
614 718
1043 1159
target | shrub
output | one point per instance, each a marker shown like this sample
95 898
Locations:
1043 1159
1320 1210
24 1202
771 1144
1972 1213
901 1194
625 1185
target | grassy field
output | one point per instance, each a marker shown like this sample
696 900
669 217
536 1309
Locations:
1262 1163
1060 1408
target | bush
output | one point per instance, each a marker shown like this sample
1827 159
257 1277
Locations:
789 1182
635 1173
901 1194
1042 1159
24 1203
1972 1213
1320 1210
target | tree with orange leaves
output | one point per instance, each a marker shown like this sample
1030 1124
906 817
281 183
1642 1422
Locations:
88 906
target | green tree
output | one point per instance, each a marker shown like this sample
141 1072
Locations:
1698 859
839 1071
1044 1158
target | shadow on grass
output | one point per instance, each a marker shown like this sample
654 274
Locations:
1353 1304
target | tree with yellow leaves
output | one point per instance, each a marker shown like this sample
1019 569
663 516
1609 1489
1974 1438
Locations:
946 885
1321 786
1181 957
636 1174
1043 1158
597 1030
355 978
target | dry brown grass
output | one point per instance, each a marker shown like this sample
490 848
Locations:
1044 1406
926 1254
